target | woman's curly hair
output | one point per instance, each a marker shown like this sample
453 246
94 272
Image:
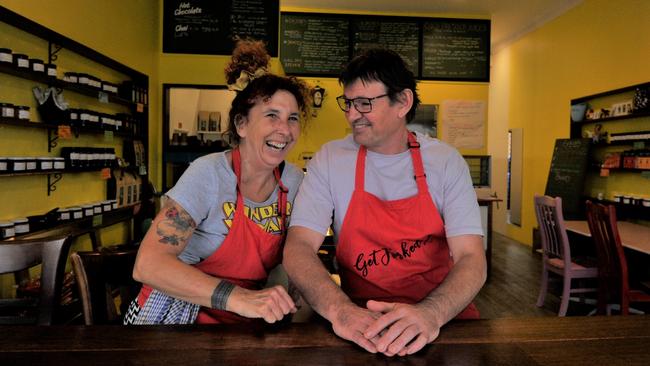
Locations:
250 56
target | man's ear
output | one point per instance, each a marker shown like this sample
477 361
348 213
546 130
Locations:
405 98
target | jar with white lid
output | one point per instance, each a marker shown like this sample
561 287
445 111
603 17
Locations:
7 230
23 112
97 208
21 225
64 214
21 61
7 110
45 163
6 56
76 213
3 164
51 70
83 79
627 200
30 163
16 164
106 206
59 163
36 65
71 77
88 210
646 202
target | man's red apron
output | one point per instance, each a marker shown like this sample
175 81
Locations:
394 251
247 254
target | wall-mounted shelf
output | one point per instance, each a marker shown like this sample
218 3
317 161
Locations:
53 176
613 118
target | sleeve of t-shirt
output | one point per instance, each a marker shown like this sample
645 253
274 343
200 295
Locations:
191 190
461 212
313 206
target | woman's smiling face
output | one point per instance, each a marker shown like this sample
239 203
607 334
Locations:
270 130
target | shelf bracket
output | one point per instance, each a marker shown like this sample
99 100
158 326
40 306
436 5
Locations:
52 137
52 50
52 180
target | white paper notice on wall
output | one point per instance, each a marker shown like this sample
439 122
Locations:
463 123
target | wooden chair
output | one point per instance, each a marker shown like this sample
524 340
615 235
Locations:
556 253
17 257
613 282
103 277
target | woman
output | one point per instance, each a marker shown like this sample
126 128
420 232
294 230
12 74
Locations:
222 229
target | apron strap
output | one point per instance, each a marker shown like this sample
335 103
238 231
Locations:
416 157
282 190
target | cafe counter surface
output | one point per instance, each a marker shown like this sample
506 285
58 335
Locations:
517 341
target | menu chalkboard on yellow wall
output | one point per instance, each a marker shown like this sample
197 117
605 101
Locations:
210 26
456 49
566 177
314 44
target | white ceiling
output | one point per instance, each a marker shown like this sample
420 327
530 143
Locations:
510 18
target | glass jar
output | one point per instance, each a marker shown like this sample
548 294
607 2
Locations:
88 210
45 163
71 77
30 163
36 65
23 112
64 214
7 230
59 163
6 56
3 164
7 110
82 79
51 70
21 61
21 225
97 208
16 164
76 213
107 206
114 204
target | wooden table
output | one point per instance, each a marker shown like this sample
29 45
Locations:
520 341
633 236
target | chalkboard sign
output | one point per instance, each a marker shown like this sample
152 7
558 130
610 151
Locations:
314 44
567 174
209 26
397 34
456 49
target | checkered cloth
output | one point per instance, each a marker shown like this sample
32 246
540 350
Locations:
161 309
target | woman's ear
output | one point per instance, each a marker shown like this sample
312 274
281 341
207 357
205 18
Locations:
405 98
240 124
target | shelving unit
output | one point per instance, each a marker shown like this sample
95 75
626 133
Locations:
57 43
636 123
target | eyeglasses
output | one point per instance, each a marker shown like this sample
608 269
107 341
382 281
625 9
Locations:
362 105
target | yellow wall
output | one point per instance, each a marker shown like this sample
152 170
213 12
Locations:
123 30
597 46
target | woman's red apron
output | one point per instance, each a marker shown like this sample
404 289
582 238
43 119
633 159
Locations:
247 254
393 251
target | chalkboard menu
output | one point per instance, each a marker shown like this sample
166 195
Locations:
456 49
209 26
567 174
314 44
399 35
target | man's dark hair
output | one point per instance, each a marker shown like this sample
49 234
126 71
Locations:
387 67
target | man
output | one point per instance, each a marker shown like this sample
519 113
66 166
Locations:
405 271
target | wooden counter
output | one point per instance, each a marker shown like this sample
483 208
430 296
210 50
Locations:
520 341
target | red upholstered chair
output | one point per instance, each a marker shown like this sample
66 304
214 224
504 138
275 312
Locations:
557 253
613 285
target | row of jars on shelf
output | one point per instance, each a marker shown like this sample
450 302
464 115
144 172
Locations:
8 110
120 122
127 90
74 158
20 226
22 164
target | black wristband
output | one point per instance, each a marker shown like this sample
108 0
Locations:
220 295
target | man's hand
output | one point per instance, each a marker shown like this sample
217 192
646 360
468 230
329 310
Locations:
271 304
351 322
403 329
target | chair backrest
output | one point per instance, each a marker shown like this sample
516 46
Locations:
612 265
555 243
102 276
20 255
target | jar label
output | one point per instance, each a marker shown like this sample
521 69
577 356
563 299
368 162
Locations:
38 67
6 57
18 166
51 72
7 112
3 165
22 62
23 114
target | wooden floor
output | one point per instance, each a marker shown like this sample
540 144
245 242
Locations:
514 284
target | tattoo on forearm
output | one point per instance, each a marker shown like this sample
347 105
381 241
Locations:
176 227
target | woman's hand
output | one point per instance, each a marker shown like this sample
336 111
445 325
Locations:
271 304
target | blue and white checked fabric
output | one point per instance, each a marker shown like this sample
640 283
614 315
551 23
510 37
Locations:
162 309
